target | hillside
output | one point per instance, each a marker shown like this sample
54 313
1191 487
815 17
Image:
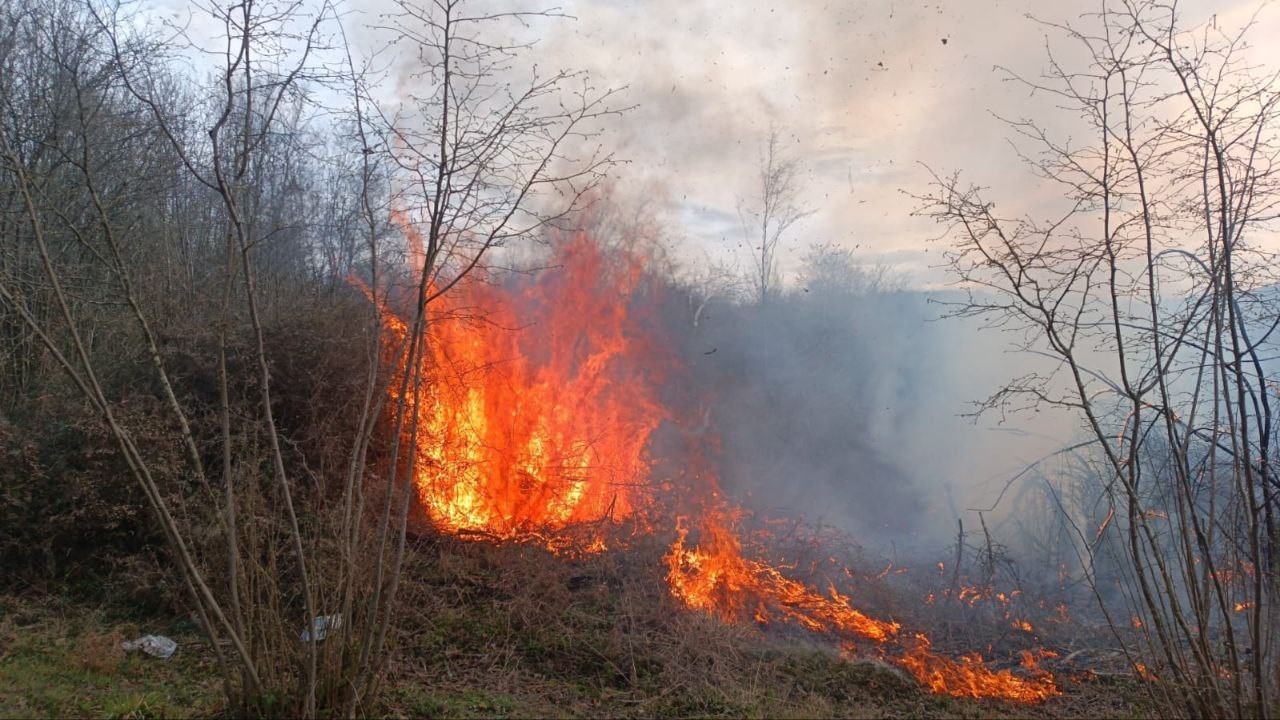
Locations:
508 631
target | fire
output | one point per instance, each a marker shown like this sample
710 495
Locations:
1062 615
715 576
1030 659
536 402
968 677
533 414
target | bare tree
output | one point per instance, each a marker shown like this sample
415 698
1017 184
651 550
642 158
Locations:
131 189
827 267
1155 299
88 100
773 213
492 153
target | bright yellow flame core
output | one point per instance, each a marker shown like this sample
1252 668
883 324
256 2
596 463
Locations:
534 414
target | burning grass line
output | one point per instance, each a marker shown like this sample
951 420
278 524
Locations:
715 577
544 438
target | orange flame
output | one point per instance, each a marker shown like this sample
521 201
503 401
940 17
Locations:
1062 615
968 677
534 410
715 576
532 414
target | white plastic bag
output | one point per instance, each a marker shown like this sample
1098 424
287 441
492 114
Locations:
153 645
321 626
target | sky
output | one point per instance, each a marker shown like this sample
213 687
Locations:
866 94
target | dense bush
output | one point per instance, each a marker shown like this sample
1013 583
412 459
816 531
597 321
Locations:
70 508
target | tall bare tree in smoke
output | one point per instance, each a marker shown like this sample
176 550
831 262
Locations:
772 214
1156 299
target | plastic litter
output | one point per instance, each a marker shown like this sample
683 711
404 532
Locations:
153 645
320 627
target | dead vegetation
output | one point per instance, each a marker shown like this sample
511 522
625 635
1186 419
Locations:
510 630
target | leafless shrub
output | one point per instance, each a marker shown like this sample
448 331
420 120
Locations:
1154 299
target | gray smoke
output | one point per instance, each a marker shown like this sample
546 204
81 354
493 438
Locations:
842 401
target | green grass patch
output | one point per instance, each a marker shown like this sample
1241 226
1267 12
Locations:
62 662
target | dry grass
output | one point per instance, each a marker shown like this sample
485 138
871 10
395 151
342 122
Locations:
512 631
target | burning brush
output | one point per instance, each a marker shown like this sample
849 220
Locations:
716 577
524 435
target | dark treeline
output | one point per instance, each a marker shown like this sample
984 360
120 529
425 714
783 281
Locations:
125 232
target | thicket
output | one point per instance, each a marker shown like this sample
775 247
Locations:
195 391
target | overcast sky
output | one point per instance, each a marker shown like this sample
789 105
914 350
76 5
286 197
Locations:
864 91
